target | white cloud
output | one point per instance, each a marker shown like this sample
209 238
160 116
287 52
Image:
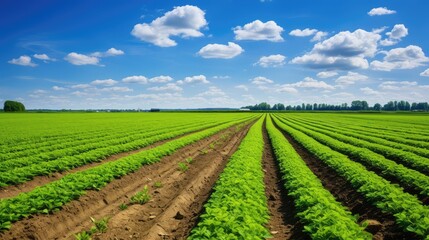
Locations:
221 77
185 21
161 79
286 88
220 51
81 86
309 82
105 82
116 89
258 30
369 91
327 74
261 81
380 11
194 79
277 60
395 35
242 87
392 85
114 52
81 59
401 58
168 87
56 88
399 31
303 33
350 78
318 35
212 92
43 57
345 50
425 73
135 79
109 53
23 61
379 30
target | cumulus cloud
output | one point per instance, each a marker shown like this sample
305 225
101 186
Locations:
401 58
135 79
345 50
194 79
109 53
393 85
116 89
261 80
350 79
212 92
80 86
56 88
380 11
161 79
242 87
258 30
286 88
23 61
168 87
105 82
369 91
43 57
395 35
425 73
81 59
318 35
221 77
276 60
309 82
221 51
185 22
327 74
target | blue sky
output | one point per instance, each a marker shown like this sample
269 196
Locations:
186 54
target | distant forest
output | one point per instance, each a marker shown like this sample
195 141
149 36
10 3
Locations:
356 105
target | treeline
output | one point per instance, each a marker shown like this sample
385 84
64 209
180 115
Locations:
356 105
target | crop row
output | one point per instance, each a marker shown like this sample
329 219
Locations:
237 209
323 217
368 131
362 135
388 167
408 211
23 174
91 144
79 139
52 196
385 126
412 160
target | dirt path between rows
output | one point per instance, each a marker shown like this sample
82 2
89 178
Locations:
172 211
14 190
283 222
349 197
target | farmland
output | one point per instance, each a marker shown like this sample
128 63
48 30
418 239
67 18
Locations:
197 175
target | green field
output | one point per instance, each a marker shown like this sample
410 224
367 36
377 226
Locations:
344 175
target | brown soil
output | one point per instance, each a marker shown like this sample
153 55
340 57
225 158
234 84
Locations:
283 222
171 212
345 193
14 190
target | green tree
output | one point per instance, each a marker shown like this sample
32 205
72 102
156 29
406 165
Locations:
13 106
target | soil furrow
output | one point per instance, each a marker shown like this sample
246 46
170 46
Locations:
384 226
283 222
75 216
14 190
